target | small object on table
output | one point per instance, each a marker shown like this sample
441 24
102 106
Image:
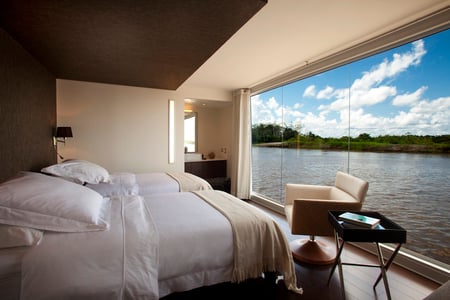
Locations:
360 220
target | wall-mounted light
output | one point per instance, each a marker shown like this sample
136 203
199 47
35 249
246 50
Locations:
171 131
61 134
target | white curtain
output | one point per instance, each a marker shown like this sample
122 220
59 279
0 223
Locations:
241 147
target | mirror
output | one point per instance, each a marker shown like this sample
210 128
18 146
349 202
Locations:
190 131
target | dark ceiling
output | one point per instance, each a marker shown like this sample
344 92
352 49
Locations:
146 43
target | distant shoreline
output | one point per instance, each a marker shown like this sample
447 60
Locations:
363 147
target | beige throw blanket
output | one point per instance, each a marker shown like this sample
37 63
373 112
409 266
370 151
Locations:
259 243
189 182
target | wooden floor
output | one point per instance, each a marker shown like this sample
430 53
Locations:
358 281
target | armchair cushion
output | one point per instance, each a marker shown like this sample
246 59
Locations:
307 206
354 186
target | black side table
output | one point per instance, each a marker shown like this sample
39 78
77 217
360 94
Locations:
390 232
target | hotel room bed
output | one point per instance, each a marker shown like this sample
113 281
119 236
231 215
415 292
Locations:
149 184
99 179
136 246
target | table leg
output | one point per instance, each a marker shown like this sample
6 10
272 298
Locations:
337 262
391 259
337 257
383 272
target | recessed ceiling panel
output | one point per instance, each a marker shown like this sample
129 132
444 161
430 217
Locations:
156 44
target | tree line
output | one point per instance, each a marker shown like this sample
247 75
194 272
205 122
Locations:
272 135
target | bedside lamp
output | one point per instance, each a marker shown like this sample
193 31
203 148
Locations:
62 133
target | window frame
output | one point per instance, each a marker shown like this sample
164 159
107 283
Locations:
427 25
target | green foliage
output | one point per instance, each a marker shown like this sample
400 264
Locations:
266 133
288 137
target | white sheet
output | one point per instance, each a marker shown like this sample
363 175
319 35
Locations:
10 268
156 183
125 184
114 264
11 259
156 245
196 242
121 184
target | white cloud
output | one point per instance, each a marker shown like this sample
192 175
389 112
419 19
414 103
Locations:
409 99
320 125
326 93
298 105
367 90
430 107
330 118
403 119
373 96
261 112
272 103
425 118
386 69
310 91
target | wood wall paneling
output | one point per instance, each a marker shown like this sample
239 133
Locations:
27 110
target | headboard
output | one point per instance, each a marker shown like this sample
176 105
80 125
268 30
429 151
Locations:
27 110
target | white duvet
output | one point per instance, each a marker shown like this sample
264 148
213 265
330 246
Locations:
156 245
119 263
196 242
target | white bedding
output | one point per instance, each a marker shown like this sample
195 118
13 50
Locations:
196 243
147 184
10 269
119 263
10 260
156 245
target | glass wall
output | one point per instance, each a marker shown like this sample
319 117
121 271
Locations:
385 118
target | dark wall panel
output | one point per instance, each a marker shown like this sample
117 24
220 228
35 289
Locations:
27 110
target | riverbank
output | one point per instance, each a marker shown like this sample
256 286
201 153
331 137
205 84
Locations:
361 146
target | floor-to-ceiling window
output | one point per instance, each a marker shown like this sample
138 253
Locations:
384 118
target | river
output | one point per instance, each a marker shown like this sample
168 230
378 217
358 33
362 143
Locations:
411 189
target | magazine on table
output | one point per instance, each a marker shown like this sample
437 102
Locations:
360 220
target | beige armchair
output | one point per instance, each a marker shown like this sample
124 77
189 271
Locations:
306 208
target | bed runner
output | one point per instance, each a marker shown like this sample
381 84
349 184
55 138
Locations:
189 182
259 243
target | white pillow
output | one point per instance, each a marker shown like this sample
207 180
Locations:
49 203
122 184
79 171
14 236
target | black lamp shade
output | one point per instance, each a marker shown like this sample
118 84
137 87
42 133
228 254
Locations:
64 132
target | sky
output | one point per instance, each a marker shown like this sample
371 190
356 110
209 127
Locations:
405 90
